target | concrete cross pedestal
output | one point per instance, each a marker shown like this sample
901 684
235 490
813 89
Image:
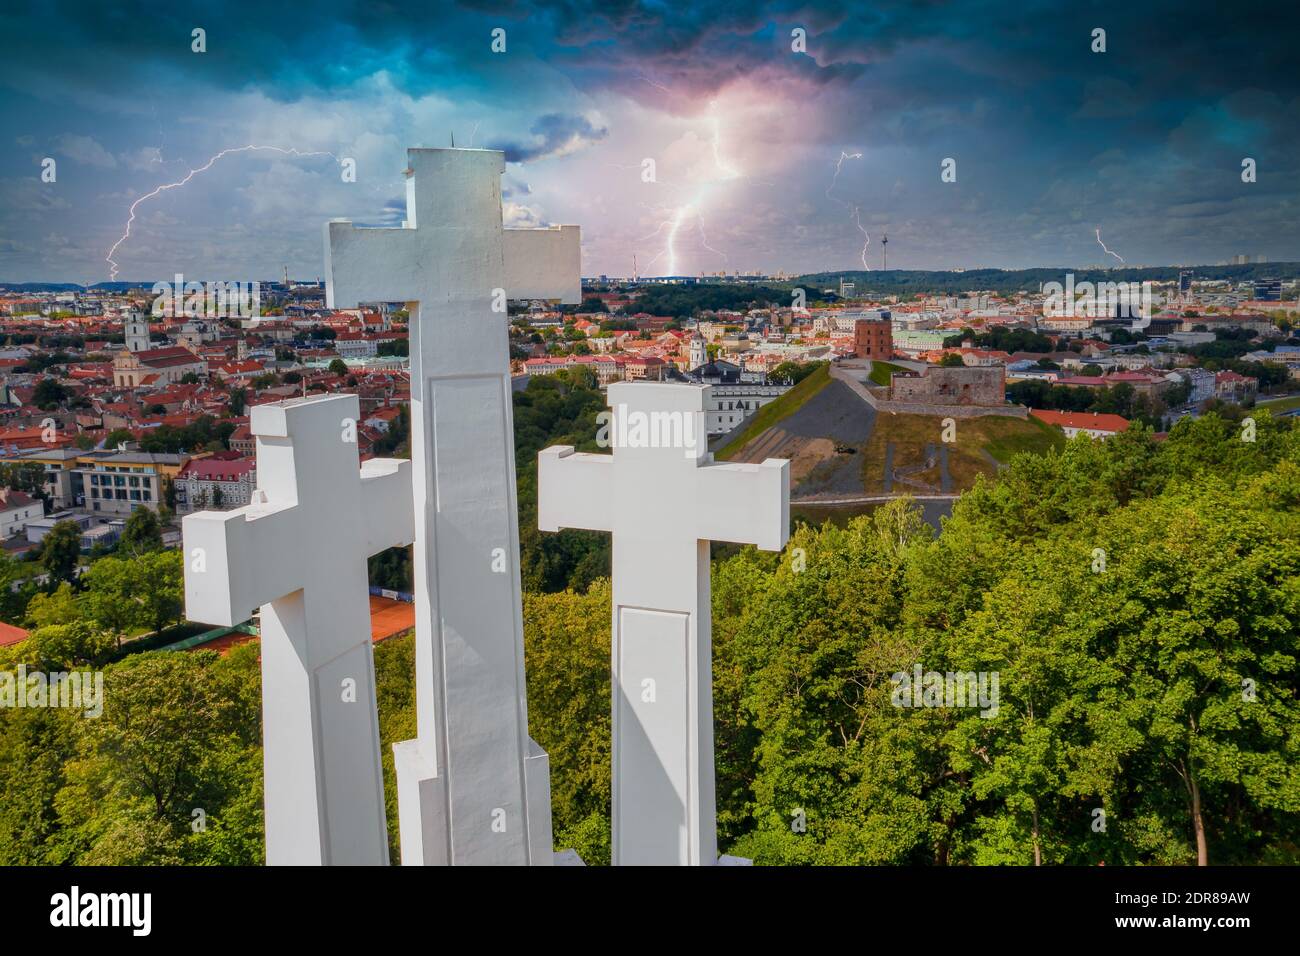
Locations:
473 788
299 551
664 501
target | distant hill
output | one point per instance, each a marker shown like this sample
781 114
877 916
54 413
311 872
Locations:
41 287
905 281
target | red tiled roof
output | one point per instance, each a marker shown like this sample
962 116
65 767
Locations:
212 469
1084 420
14 499
1082 380
10 635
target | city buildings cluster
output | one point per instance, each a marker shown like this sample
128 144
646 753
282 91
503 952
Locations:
106 407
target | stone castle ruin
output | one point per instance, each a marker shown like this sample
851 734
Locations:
959 392
951 386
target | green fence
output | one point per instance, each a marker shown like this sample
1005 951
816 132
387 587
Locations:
200 639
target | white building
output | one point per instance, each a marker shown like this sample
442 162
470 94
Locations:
1202 382
215 484
16 510
136 329
914 341
736 393
38 528
907 321
729 405
1092 424
699 353
355 345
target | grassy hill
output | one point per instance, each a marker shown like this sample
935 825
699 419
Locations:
774 412
1278 405
982 444
882 373
838 445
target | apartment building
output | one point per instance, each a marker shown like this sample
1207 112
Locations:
215 484
118 482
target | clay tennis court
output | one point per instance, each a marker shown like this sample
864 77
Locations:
387 619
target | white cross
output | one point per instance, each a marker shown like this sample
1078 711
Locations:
473 788
664 501
299 551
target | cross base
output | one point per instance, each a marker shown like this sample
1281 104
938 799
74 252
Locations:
423 812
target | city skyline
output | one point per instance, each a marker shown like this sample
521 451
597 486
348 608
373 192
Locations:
772 152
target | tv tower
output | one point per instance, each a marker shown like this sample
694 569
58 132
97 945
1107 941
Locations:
884 252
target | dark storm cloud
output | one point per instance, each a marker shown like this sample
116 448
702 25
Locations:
554 134
1162 58
1150 133
1034 51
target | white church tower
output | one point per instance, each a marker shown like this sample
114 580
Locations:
699 351
137 332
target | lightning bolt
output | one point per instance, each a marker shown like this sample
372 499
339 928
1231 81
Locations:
704 240
854 212
1107 251
657 86
838 163
679 215
126 232
673 224
162 135
728 171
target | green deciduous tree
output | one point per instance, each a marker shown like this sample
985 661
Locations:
169 772
142 533
59 606
61 550
126 594
566 645
48 393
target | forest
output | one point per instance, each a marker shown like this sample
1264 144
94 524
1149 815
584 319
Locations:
1138 600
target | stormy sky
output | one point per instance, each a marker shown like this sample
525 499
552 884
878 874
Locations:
765 157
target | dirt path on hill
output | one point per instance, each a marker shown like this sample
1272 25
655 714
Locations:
822 440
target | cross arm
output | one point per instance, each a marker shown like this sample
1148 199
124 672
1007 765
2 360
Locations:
352 275
386 503
745 504
236 561
574 490
544 264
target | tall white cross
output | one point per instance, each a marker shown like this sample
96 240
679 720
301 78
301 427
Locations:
299 551
664 501
473 788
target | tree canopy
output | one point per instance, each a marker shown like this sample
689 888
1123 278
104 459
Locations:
1137 601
